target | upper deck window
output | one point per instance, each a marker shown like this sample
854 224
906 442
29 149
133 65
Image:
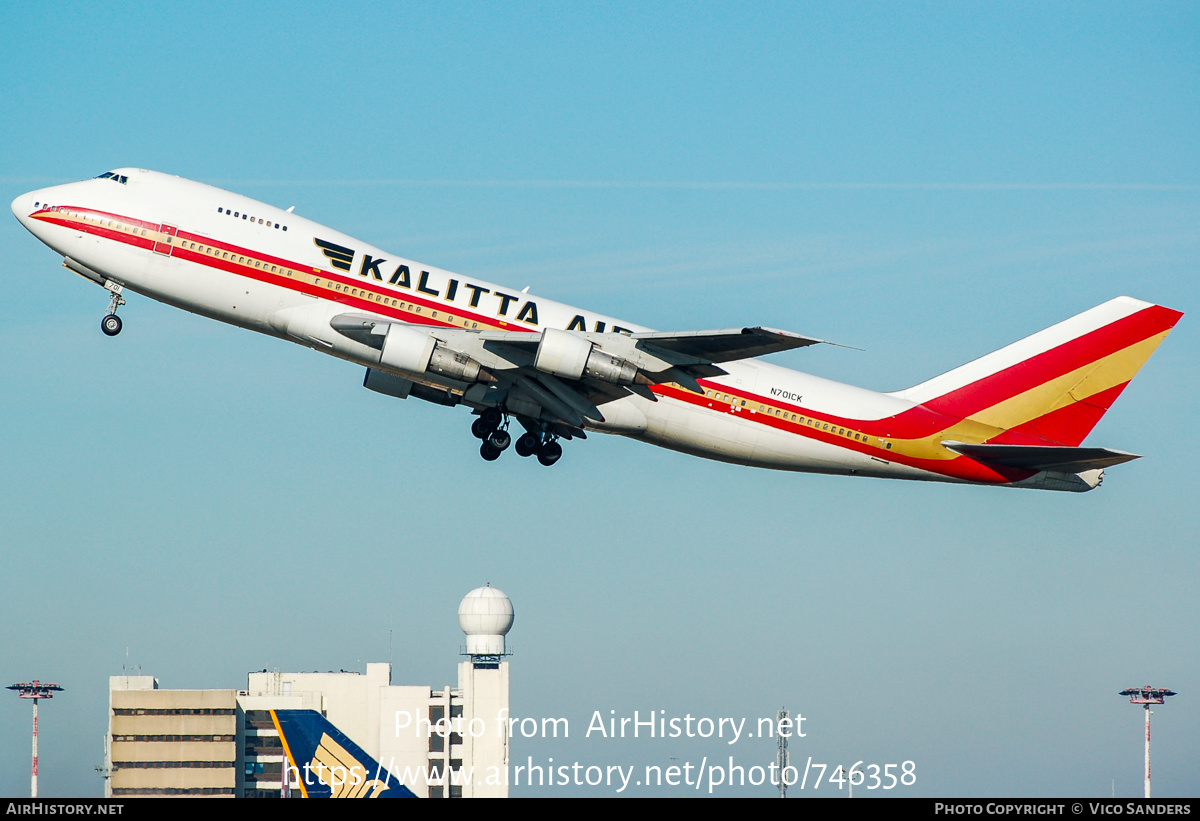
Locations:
229 212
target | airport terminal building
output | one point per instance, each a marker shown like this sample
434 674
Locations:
446 743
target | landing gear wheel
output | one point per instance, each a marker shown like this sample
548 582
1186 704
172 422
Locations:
480 429
492 417
111 325
550 453
499 439
528 444
488 452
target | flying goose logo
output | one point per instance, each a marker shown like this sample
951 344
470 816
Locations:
339 256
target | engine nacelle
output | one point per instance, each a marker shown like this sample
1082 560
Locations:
571 356
562 353
407 349
413 351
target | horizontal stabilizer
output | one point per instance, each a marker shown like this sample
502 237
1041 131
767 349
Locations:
1036 457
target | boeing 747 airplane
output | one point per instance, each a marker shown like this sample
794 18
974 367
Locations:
1016 417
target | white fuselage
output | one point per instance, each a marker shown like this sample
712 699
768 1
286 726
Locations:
254 265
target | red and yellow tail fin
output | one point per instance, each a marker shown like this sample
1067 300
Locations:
1053 387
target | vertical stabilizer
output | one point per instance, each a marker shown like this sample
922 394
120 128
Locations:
1052 387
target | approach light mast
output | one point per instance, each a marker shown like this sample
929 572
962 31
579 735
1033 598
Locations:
1146 696
35 690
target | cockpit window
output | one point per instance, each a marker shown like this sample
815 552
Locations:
104 176
112 175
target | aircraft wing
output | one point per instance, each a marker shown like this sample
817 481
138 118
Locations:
572 374
724 345
1036 457
727 345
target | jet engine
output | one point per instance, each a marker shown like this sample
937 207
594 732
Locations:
414 351
571 356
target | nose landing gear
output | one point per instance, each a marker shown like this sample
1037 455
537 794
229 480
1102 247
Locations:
111 324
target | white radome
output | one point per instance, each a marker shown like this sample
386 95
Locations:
485 615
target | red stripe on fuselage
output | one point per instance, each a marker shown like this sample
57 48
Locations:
279 279
959 467
103 231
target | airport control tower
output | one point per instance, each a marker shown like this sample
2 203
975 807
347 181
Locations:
485 616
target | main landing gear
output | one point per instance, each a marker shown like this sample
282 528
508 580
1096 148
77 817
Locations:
111 324
492 428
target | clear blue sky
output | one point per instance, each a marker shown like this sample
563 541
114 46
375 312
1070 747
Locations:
925 181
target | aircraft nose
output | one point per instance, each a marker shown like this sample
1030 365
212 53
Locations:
22 206
29 203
